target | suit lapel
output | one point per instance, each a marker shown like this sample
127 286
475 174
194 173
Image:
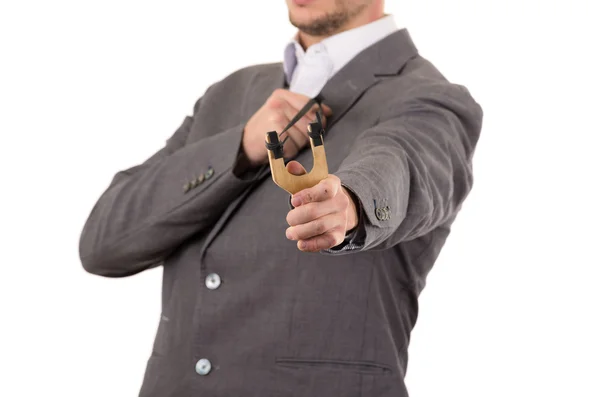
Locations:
383 59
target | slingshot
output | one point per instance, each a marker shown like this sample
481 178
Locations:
282 178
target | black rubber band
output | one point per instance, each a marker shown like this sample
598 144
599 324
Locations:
299 115
276 146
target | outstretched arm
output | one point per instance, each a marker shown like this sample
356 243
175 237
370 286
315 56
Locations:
408 175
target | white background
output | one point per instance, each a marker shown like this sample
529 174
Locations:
88 88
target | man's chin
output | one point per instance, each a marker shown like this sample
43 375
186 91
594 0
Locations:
306 23
301 23
302 3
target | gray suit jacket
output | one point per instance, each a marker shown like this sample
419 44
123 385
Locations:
244 312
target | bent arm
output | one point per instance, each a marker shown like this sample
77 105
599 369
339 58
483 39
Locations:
151 209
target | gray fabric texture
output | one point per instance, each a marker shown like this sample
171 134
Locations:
285 322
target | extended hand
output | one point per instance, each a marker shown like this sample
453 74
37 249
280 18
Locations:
322 214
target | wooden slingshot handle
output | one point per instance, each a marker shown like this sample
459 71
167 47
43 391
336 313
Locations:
295 183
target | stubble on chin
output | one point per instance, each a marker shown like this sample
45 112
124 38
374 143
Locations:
329 23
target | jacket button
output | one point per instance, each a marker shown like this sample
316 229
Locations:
208 174
383 213
212 281
187 187
203 367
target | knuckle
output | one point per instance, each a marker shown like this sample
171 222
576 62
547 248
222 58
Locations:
302 126
280 118
276 118
300 133
331 240
320 227
328 188
311 211
307 245
344 200
339 236
274 102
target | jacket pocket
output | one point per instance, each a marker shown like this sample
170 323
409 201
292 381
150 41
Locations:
363 367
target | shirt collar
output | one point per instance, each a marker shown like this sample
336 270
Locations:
341 47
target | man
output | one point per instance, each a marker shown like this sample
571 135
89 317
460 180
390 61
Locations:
246 311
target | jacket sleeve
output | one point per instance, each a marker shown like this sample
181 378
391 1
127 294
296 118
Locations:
412 171
151 209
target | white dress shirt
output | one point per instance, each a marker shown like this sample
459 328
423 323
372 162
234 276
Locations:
308 71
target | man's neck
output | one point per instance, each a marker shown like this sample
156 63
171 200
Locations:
307 40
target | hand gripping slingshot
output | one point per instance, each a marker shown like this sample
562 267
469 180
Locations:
282 178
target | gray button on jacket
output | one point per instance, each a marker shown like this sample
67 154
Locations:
283 322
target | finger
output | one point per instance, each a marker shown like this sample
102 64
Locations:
295 168
298 142
299 100
289 111
316 227
311 211
299 134
313 119
296 100
299 131
307 118
298 138
324 241
324 190
326 110
301 126
324 121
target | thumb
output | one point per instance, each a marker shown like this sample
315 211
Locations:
295 168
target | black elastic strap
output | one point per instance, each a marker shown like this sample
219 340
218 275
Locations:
301 113
317 128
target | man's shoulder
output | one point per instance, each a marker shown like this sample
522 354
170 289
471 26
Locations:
233 86
248 73
259 68
419 76
421 83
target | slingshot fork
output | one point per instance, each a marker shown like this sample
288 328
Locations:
295 183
